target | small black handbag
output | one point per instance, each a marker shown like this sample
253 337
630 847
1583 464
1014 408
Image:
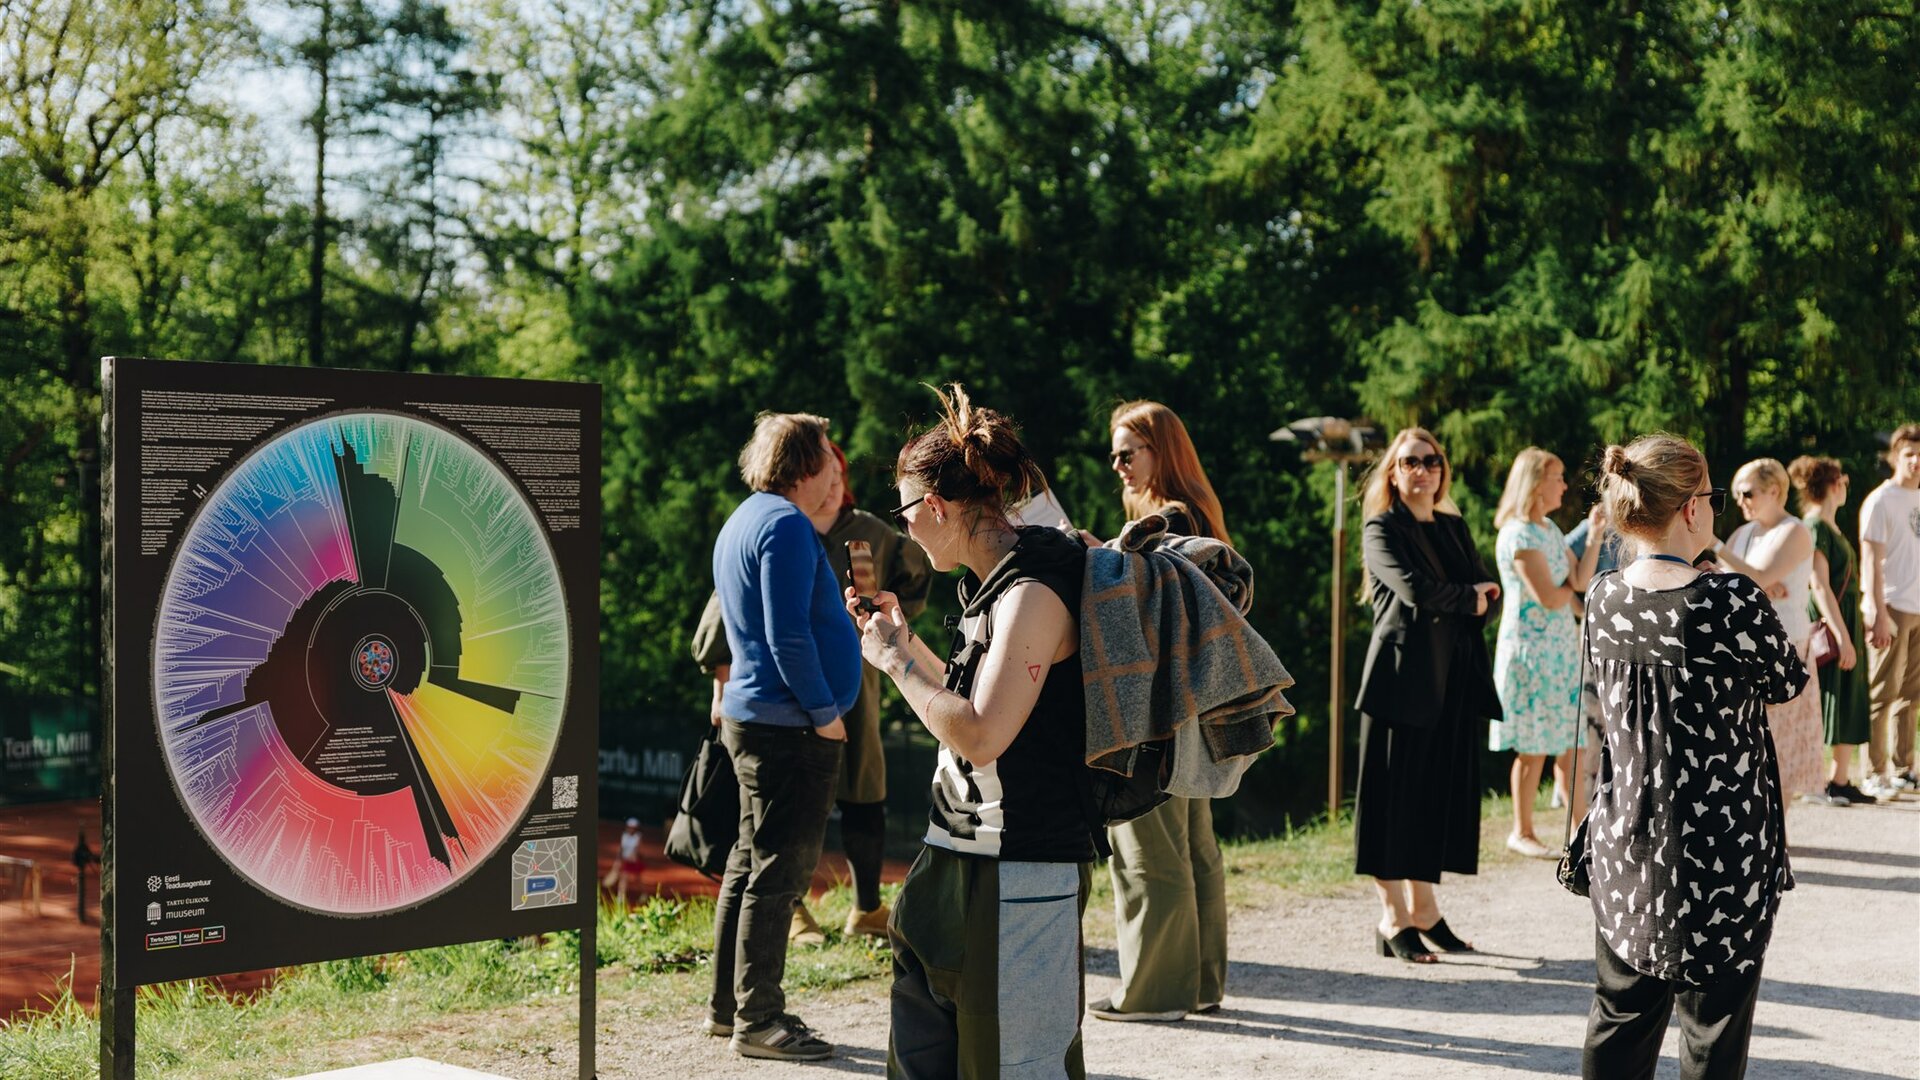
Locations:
708 823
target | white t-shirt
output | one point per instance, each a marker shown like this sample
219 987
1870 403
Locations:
1891 518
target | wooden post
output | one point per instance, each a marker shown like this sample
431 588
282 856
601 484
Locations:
1336 675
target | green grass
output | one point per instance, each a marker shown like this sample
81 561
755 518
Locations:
653 963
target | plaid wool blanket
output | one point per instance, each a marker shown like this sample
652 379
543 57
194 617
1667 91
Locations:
1164 643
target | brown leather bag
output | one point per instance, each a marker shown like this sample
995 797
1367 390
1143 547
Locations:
1825 646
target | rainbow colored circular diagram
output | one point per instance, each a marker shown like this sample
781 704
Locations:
360 663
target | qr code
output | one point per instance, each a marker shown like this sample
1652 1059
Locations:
566 793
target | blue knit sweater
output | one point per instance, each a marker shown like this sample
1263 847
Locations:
796 655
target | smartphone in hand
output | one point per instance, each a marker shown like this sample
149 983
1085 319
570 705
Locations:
860 575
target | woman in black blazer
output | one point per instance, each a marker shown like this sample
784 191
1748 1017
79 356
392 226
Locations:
1425 695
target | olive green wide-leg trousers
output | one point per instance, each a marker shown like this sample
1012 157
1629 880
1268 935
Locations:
1170 909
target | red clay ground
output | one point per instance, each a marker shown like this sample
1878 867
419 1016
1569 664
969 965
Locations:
35 952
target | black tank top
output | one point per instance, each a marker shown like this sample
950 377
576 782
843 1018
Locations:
1026 806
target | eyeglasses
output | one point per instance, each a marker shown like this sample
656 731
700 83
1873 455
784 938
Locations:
1431 462
1716 498
900 512
1742 494
1125 457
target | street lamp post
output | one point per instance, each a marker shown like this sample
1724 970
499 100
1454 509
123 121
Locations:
1343 442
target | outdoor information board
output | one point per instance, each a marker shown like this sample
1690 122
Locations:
353 664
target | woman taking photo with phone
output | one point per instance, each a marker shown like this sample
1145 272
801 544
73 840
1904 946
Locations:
1425 691
986 930
1686 840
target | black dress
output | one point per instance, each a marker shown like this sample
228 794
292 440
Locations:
1417 807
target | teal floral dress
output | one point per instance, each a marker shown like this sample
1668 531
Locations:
1536 663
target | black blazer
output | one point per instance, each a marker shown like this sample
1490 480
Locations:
1419 615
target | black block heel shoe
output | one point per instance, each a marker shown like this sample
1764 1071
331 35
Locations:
1443 938
1405 945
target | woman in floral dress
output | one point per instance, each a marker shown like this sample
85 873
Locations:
1536 665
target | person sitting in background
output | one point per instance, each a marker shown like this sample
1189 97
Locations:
1425 689
1536 662
1776 551
1686 838
1843 686
901 569
795 674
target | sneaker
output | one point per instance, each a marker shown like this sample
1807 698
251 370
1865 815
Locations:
871 923
783 1039
1878 787
1821 798
1850 793
804 930
1104 1010
717 1027
1528 846
1906 781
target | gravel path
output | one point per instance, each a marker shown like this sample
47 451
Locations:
1840 1001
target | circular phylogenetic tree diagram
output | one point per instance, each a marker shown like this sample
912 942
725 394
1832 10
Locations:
360 663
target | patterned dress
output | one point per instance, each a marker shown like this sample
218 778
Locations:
1687 832
1536 664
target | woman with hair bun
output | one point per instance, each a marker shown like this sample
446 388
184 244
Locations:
1776 551
986 930
1685 841
1822 486
1424 692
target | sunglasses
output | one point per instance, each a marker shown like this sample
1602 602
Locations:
1742 494
1716 498
1431 462
900 512
1124 457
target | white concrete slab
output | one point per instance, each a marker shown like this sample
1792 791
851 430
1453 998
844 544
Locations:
413 1068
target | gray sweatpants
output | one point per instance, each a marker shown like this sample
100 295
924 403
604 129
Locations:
988 970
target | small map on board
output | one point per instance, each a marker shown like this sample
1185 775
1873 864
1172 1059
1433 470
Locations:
546 873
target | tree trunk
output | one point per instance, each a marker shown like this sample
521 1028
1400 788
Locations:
317 254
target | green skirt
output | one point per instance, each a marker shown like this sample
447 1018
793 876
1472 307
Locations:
1843 696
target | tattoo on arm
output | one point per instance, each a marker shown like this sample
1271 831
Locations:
1034 671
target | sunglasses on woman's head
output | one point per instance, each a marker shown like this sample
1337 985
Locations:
900 512
1124 457
1430 462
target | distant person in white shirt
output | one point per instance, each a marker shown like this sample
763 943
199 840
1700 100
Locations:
1890 608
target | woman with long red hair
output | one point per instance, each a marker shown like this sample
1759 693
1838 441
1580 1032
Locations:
1169 885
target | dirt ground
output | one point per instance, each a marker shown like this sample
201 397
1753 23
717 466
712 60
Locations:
1308 998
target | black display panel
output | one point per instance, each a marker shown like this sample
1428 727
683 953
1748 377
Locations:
354 663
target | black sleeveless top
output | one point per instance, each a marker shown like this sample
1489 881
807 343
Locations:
1026 806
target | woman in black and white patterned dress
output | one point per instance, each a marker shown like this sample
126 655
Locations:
1686 834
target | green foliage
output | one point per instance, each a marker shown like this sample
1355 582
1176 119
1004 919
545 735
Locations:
1515 221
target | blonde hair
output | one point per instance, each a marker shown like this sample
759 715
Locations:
1177 476
1379 491
1647 481
786 448
1767 471
1523 483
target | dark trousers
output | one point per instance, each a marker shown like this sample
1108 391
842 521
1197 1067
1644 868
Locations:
863 836
787 778
1629 1020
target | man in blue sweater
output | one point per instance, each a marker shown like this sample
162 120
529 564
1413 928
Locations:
795 673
